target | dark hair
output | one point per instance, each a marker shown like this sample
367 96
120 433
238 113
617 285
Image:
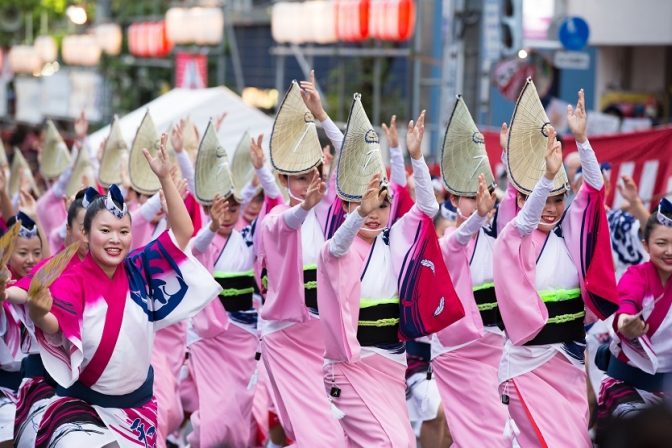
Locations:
75 206
651 224
94 208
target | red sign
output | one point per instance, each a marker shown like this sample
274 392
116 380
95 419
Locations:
191 71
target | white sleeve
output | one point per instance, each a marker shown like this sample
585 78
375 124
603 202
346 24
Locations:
397 167
186 168
590 166
424 191
62 182
344 236
295 216
151 207
268 182
203 239
93 156
529 217
334 134
469 228
247 193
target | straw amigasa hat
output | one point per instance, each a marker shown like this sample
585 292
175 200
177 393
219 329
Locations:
526 146
360 156
3 155
190 139
463 155
83 174
142 177
242 170
295 148
55 157
113 154
213 173
19 167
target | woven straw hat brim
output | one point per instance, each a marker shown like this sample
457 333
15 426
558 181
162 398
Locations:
113 154
3 155
360 156
212 172
55 157
294 147
19 164
526 144
82 170
142 177
463 154
242 170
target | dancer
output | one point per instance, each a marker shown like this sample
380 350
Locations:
550 262
107 308
289 240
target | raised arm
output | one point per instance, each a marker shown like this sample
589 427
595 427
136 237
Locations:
485 202
177 214
181 156
397 167
311 97
424 192
576 119
264 175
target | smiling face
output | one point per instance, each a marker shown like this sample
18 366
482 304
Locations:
27 253
465 206
552 212
374 223
109 240
659 246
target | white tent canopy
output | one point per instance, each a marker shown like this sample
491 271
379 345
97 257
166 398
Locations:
200 105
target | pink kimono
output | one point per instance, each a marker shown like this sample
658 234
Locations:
101 356
542 282
466 355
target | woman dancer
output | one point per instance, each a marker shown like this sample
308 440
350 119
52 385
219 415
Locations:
96 333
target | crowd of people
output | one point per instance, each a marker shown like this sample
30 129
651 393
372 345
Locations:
176 295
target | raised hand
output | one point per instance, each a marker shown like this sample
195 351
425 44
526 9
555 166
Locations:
27 204
503 135
327 160
176 139
414 136
391 132
315 192
553 154
629 190
373 198
219 207
257 152
159 164
81 126
631 326
311 97
39 304
218 121
101 149
485 201
576 118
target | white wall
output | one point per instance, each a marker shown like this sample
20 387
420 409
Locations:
625 22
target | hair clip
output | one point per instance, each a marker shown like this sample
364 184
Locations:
114 194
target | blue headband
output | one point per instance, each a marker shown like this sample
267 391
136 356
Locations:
28 227
664 208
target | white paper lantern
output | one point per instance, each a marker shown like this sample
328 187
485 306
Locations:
24 59
207 25
46 48
288 23
321 15
177 28
80 49
109 37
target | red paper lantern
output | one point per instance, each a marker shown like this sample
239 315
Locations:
392 20
352 20
149 40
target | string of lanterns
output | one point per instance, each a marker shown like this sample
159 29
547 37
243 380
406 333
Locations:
332 21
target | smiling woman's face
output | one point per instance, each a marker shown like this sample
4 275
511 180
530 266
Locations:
109 240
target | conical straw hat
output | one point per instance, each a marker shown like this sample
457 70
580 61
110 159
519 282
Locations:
360 156
213 173
82 174
142 177
295 148
526 146
190 138
113 154
55 156
242 170
3 155
463 155
20 165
